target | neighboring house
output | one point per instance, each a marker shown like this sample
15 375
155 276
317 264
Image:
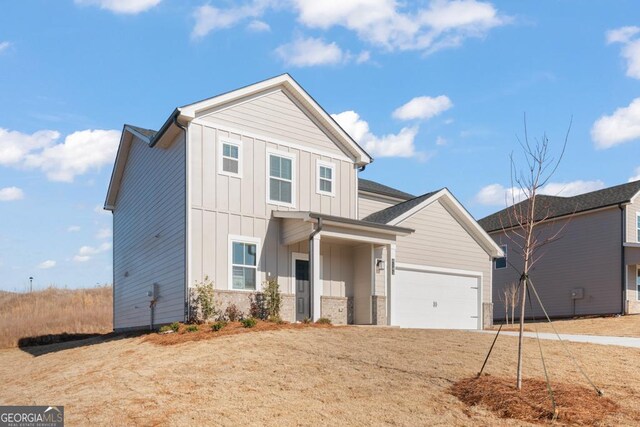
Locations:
261 183
594 265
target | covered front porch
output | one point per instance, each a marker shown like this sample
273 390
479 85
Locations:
341 268
632 280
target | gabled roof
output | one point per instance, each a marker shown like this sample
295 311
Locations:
185 114
555 206
375 187
396 214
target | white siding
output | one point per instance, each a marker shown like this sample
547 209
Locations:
149 235
632 211
441 241
222 205
368 205
587 255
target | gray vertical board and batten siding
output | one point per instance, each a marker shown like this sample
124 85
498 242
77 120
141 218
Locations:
149 235
222 205
441 241
587 255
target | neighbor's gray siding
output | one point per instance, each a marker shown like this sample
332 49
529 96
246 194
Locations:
587 255
368 205
441 241
149 235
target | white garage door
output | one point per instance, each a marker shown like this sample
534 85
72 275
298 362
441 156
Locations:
423 299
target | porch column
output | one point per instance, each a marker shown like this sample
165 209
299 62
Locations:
391 274
314 276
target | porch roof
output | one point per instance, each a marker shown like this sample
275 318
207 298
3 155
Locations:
335 224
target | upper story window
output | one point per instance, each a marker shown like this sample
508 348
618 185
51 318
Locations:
501 263
244 263
230 158
638 226
281 185
326 178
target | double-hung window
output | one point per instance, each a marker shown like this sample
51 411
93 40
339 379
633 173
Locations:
244 264
281 184
326 180
230 158
638 226
501 263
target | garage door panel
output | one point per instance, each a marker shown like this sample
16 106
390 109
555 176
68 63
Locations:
423 299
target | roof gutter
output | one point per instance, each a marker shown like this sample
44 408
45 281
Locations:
173 119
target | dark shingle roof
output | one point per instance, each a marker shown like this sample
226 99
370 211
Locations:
389 214
146 132
553 206
376 187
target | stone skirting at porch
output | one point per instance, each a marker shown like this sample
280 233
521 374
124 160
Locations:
242 300
336 309
379 304
487 315
632 307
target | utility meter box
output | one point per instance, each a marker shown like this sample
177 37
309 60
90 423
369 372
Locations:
577 293
153 292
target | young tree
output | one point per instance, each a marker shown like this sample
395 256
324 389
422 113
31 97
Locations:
522 218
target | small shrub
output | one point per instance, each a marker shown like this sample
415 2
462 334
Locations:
257 308
165 329
306 320
201 302
218 325
192 328
323 321
175 326
249 322
272 298
233 313
276 319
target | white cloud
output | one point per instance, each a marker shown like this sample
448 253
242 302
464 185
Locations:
73 228
620 127
363 57
308 52
209 18
258 26
391 145
627 36
498 195
4 46
383 23
9 194
423 107
131 7
86 252
104 233
635 177
440 140
78 153
47 264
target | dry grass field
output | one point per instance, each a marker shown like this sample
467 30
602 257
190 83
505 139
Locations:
311 376
54 311
621 326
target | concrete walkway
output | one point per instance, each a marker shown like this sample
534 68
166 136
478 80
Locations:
591 339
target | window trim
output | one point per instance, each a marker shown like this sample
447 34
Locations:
234 142
243 239
328 165
294 175
637 282
638 227
504 248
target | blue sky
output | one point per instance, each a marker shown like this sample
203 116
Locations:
435 90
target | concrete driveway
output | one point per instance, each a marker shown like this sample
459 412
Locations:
592 339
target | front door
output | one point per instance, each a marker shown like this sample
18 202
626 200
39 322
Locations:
303 296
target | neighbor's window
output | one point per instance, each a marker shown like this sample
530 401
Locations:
501 262
230 158
325 178
638 226
243 265
280 179
638 284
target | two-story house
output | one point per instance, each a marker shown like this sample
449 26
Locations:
593 267
261 183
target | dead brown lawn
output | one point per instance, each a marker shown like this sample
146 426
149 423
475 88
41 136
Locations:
54 311
620 326
311 376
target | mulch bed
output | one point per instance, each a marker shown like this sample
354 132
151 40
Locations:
574 404
204 331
